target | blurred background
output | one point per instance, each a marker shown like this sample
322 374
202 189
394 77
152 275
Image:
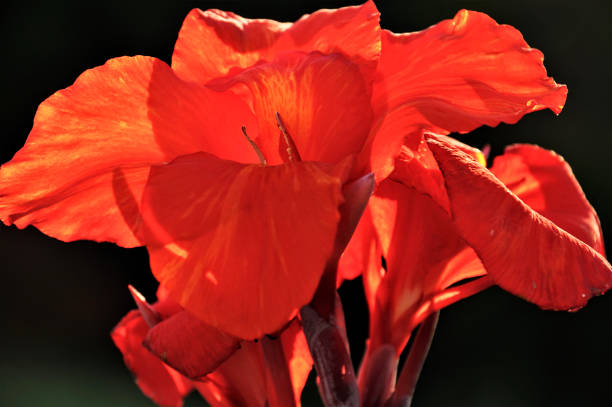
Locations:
60 301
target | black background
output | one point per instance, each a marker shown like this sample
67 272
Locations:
59 301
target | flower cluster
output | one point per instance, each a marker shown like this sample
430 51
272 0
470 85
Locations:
272 161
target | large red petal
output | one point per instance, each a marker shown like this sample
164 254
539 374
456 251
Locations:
84 166
189 345
453 77
162 384
323 101
213 42
524 252
545 182
242 247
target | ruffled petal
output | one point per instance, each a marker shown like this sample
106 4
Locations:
190 346
545 182
84 166
323 101
523 252
164 385
213 42
453 77
242 247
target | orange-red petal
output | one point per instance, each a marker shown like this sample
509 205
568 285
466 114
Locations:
148 313
323 101
523 251
239 381
297 355
416 167
161 383
84 166
213 42
242 380
545 182
242 247
190 346
362 254
453 77
420 245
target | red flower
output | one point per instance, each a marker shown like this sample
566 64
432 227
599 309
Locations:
119 155
241 228
525 224
225 371
136 152
437 212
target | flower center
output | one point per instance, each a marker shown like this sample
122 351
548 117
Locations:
286 141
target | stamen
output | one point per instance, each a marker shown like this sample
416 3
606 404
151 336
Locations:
292 151
262 158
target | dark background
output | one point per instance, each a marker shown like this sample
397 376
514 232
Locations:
59 301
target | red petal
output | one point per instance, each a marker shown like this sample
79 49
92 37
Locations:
84 166
148 313
189 345
524 252
165 306
323 101
420 244
297 355
545 182
241 246
416 167
239 381
362 253
455 76
213 42
164 385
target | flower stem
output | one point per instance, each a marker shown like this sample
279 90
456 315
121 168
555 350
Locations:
377 375
411 371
